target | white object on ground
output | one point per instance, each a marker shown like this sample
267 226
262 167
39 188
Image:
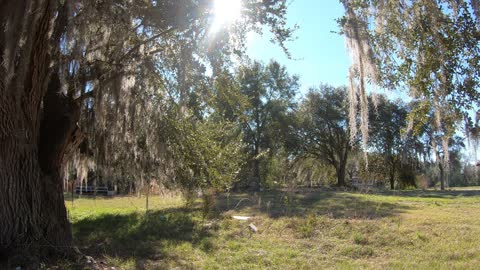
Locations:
241 217
253 228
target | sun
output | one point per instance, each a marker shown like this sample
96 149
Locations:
225 12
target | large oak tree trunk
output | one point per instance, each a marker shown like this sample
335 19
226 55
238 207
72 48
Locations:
37 128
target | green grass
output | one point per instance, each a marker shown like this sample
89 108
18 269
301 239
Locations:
308 230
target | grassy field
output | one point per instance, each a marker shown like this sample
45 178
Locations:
296 230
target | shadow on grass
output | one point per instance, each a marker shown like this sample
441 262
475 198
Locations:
139 237
332 203
68 196
447 194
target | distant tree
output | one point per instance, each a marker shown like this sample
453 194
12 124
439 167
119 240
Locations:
472 131
270 92
437 147
470 175
309 171
228 101
387 120
208 154
376 171
323 130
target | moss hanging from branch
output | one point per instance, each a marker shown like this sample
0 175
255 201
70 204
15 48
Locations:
362 71
427 48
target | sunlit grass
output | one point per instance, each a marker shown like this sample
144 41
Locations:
88 206
315 230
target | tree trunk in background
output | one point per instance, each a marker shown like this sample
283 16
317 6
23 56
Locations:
341 176
255 185
147 193
442 176
340 169
341 166
392 178
256 181
391 161
37 127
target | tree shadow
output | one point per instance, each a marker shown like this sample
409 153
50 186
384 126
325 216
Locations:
335 204
68 197
139 237
447 194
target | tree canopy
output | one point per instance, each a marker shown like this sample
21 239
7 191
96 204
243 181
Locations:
324 132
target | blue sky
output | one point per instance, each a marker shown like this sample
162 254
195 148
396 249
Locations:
320 56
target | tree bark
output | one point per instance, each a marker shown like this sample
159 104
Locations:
255 184
392 175
37 127
392 181
442 176
256 180
342 165
341 172
341 175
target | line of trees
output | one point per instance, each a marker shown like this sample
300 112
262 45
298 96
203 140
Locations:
251 130
292 140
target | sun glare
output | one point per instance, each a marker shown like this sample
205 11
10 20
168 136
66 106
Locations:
225 12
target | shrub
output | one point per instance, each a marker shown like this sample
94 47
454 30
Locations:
359 239
307 227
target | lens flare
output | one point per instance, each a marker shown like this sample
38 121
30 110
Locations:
225 12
